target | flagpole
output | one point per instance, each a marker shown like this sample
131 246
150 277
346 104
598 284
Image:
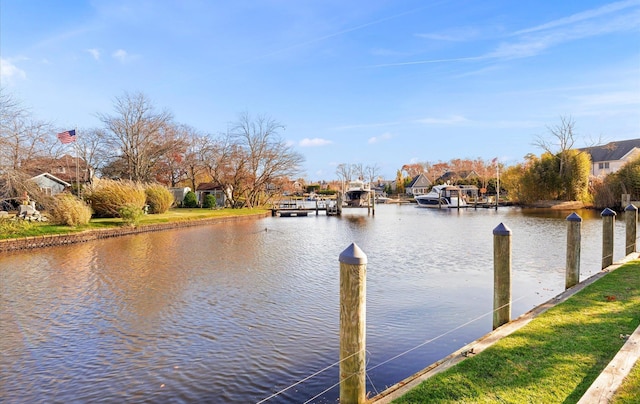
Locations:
77 168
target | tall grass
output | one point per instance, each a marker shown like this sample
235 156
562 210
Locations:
159 198
70 211
107 197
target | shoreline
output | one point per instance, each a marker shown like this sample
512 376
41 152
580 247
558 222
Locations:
27 243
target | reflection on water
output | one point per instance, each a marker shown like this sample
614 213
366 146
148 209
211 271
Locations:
234 312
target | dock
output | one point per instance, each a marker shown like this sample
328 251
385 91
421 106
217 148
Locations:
295 209
331 207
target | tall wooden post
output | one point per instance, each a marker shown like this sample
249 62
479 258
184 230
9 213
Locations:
574 224
631 220
608 222
501 275
339 203
373 203
353 273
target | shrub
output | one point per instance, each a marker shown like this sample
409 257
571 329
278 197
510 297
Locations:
131 213
70 211
190 200
106 197
159 198
12 227
209 202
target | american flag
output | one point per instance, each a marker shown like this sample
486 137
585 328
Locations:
67 137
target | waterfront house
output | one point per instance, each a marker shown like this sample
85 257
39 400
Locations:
455 177
211 188
419 185
50 184
69 169
610 157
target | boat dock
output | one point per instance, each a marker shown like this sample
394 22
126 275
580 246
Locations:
331 207
299 208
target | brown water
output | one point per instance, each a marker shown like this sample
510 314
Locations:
235 312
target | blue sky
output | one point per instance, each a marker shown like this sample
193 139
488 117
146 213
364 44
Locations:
371 82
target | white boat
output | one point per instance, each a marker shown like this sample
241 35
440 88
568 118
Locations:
357 193
442 196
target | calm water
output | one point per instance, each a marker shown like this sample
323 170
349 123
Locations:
237 312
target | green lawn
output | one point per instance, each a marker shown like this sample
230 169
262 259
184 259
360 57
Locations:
629 392
555 358
17 229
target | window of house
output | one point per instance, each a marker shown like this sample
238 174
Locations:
60 170
46 190
603 165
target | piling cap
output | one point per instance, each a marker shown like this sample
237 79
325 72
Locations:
353 255
608 212
501 230
630 208
574 217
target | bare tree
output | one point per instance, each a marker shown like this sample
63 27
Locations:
269 157
372 172
140 134
201 151
344 173
22 139
92 148
563 140
227 166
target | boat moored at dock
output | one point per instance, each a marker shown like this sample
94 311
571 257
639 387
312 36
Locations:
442 196
357 194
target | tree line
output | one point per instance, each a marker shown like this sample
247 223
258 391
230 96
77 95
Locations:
141 143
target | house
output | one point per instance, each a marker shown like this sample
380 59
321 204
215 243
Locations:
609 158
67 168
210 188
453 177
419 185
50 184
178 194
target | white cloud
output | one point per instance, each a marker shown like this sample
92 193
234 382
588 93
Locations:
316 141
120 55
381 138
95 53
9 71
454 35
452 120
582 16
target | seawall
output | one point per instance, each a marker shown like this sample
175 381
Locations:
27 243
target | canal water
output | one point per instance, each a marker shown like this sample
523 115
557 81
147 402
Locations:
248 312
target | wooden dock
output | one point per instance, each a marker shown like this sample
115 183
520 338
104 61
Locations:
331 207
293 209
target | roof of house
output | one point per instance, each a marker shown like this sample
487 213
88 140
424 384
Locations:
450 175
612 151
416 179
52 178
208 186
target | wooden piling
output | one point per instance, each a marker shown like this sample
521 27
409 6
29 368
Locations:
631 220
353 272
608 222
339 204
501 275
373 203
574 235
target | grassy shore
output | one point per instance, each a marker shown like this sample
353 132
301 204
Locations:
553 359
629 392
19 229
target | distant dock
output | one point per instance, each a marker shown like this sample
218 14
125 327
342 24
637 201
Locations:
300 208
